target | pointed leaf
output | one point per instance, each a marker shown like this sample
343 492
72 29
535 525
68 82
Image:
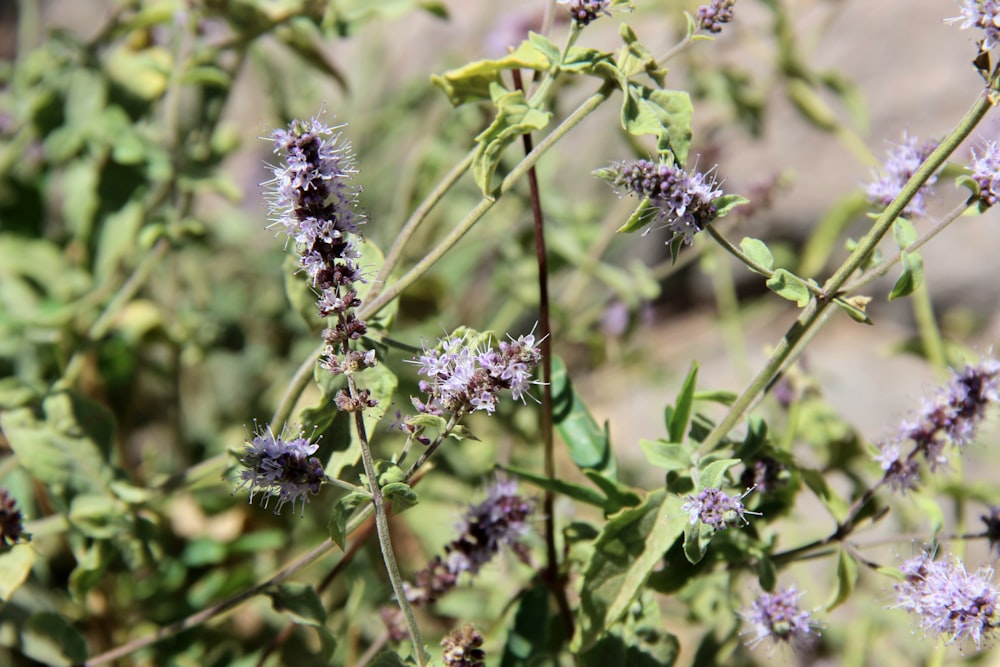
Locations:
589 445
677 426
300 602
911 278
847 577
582 494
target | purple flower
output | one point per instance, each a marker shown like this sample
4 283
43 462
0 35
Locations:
463 648
463 377
500 521
313 200
11 522
903 161
714 14
986 173
949 601
281 467
983 14
681 201
584 11
714 508
776 617
951 418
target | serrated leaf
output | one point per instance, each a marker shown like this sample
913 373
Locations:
789 286
589 445
630 545
758 251
847 577
911 278
681 416
300 602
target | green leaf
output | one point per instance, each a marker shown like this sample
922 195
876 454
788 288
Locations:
817 484
619 495
50 639
300 602
635 58
589 445
758 251
630 545
696 539
767 573
401 496
641 217
639 641
847 577
382 383
665 114
668 455
473 82
15 566
789 286
514 118
681 416
388 659
711 473
529 638
726 203
904 233
67 451
911 278
343 510
582 494
855 307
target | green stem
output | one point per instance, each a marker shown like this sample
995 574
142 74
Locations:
373 306
811 315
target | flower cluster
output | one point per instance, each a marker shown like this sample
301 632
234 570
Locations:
464 376
953 417
463 648
714 14
950 601
984 14
315 204
714 508
986 173
777 617
584 11
681 201
499 521
11 521
903 161
282 467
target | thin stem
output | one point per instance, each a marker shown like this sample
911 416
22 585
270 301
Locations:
104 321
373 306
419 214
552 576
810 316
382 528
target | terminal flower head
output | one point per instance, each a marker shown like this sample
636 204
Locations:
281 467
778 618
982 14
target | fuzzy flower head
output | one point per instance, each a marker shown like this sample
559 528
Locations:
681 201
777 618
714 14
463 648
949 419
903 161
501 521
986 173
583 12
982 14
11 522
313 200
464 373
281 467
714 508
949 601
